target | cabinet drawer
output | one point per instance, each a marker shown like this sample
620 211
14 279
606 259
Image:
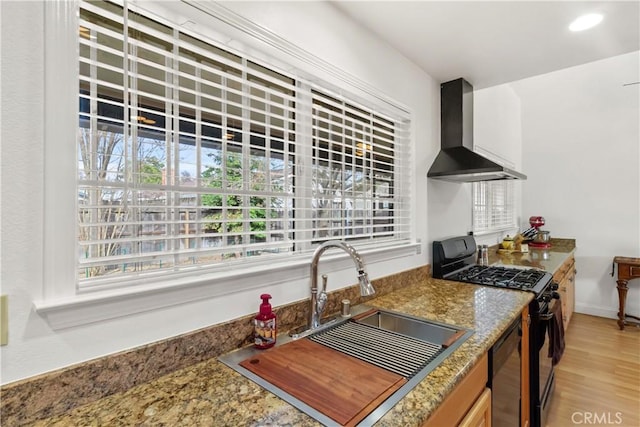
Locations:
567 267
480 413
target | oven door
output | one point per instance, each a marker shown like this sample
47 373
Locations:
547 377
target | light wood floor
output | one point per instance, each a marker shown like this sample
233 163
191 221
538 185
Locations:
598 378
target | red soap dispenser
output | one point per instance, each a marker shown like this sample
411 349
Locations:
265 324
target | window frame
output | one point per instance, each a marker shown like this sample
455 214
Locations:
63 304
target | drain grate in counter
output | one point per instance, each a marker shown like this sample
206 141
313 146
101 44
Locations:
397 353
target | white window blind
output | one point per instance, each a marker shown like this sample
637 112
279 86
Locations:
493 205
356 161
191 156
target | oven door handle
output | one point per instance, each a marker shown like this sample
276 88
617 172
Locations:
547 313
547 316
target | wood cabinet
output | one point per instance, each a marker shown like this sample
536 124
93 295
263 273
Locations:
480 413
565 277
469 395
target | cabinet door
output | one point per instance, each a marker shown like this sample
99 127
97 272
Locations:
565 277
462 398
569 289
480 413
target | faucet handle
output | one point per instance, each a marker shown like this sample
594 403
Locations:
322 301
322 298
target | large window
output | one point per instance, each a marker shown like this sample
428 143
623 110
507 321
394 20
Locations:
191 156
493 206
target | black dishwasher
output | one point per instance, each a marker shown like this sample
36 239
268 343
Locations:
504 369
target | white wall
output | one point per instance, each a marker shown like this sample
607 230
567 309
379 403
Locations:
449 211
33 346
497 132
581 152
497 125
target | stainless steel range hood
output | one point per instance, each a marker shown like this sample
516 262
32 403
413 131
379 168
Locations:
456 160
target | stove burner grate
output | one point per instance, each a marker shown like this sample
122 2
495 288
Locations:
499 276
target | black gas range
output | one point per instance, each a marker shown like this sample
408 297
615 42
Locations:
455 259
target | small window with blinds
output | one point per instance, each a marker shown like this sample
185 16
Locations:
493 206
190 156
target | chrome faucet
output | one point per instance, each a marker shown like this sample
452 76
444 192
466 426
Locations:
318 301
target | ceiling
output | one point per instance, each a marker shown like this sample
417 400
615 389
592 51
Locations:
494 42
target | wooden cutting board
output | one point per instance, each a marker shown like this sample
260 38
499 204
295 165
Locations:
341 387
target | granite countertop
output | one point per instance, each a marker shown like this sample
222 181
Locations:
545 259
210 393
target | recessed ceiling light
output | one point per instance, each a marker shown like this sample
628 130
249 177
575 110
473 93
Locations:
585 22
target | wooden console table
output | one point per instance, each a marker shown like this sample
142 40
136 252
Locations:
628 268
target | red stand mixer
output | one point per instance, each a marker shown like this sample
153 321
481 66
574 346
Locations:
542 239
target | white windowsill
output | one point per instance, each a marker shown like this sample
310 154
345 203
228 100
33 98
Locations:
495 231
93 307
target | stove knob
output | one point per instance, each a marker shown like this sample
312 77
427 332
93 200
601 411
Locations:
555 295
554 286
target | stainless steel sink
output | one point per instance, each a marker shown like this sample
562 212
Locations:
421 329
409 346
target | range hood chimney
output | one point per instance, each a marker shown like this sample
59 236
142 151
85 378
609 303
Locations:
456 160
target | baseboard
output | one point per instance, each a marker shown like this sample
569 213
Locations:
596 311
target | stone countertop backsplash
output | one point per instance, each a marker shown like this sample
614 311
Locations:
137 388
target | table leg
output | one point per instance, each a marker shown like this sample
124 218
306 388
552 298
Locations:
622 299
